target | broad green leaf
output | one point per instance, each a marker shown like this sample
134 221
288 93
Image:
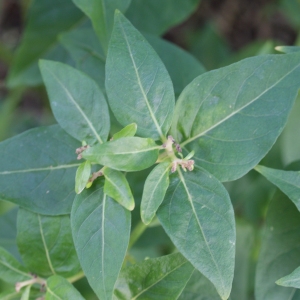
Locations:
77 102
199 288
157 16
38 169
82 176
291 280
10 295
26 293
127 131
287 181
280 247
41 32
45 244
136 77
198 216
58 288
101 229
232 116
10 269
154 192
85 49
101 13
181 65
116 186
125 154
157 278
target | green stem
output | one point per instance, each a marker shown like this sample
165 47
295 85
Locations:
136 233
6 55
76 277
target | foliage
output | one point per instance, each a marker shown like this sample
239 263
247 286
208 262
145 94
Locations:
144 186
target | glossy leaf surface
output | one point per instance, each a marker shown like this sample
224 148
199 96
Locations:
45 244
101 13
58 288
232 116
77 102
198 216
125 154
42 161
154 191
10 269
82 176
101 229
42 33
157 278
116 186
291 280
127 131
156 16
280 247
287 181
136 77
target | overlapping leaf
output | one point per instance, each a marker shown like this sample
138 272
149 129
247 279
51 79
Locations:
198 216
127 131
42 162
82 176
77 102
101 229
124 154
291 280
232 116
157 278
45 244
137 79
287 181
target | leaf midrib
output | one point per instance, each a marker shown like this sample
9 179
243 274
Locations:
238 110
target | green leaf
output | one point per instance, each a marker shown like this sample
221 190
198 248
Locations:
85 49
232 116
9 295
288 49
26 293
46 245
156 16
42 162
280 247
157 278
58 288
198 216
125 154
154 192
291 280
101 229
116 186
82 176
127 131
77 102
101 13
136 77
287 181
42 33
10 269
181 65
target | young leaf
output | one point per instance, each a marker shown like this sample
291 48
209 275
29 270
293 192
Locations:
232 116
101 229
198 216
125 154
82 176
46 244
77 102
291 280
127 131
136 77
58 288
288 49
42 163
158 278
11 270
287 181
154 192
101 14
26 293
156 16
279 254
42 33
116 186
